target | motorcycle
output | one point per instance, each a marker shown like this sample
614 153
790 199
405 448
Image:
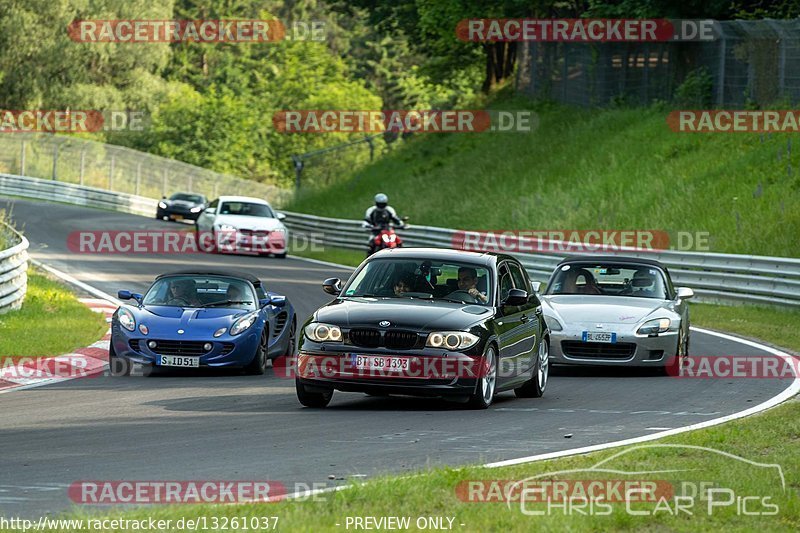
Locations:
385 237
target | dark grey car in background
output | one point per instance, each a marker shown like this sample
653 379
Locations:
181 206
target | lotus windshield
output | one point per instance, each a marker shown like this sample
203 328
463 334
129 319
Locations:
424 279
640 281
202 291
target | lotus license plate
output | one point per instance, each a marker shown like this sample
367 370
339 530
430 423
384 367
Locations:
599 336
379 362
178 360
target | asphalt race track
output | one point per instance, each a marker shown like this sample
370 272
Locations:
227 426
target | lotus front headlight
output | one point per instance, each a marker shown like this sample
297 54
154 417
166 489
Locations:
451 340
319 332
243 323
651 327
126 319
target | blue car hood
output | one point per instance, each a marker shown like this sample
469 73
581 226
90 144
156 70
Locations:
197 323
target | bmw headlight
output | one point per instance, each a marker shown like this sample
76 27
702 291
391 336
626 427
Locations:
243 323
162 205
552 323
451 340
319 332
651 327
126 319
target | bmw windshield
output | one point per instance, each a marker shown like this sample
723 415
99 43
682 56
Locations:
421 278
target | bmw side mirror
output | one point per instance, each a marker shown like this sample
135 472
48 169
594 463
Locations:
278 301
280 216
516 297
684 293
332 286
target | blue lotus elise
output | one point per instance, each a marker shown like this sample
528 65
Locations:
197 319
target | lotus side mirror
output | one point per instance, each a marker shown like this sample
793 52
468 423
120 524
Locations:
278 301
128 295
332 286
684 293
516 297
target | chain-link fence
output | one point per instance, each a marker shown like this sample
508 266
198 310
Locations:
749 62
120 169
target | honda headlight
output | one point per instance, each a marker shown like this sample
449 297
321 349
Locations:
126 319
243 323
451 340
323 332
552 323
226 227
651 327
162 205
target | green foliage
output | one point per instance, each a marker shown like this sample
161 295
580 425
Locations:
695 91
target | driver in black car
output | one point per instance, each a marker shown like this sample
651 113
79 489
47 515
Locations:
468 282
184 292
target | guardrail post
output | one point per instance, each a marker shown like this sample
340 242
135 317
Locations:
22 159
83 164
164 183
54 176
111 174
138 177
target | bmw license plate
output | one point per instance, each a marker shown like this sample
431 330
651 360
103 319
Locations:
379 362
599 336
178 360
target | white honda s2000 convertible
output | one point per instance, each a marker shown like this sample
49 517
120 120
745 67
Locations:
620 311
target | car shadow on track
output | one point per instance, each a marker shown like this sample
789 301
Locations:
605 372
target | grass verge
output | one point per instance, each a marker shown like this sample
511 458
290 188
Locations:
51 322
587 169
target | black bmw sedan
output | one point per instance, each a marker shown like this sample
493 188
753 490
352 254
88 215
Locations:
427 322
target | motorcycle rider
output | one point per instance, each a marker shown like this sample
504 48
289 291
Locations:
379 216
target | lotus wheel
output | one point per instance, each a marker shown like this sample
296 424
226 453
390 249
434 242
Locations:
117 366
258 367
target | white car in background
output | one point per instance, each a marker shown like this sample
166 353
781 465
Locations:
240 224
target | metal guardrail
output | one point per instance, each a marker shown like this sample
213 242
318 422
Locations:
13 272
715 277
57 191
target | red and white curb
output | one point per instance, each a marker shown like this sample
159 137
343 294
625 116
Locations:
28 372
